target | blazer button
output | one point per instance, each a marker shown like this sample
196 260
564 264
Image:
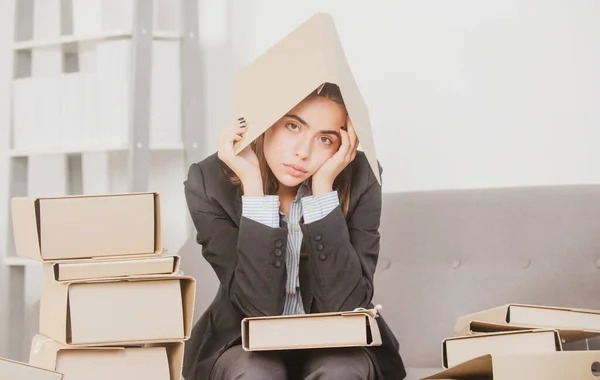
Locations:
278 252
278 243
320 247
277 264
322 257
318 238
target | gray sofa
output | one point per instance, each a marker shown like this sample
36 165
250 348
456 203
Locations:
448 253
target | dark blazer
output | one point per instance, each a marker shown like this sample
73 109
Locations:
337 275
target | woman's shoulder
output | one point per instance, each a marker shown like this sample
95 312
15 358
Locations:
362 173
210 165
208 174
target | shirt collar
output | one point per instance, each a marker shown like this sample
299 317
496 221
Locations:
304 190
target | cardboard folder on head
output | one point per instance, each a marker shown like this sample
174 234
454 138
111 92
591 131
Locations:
275 82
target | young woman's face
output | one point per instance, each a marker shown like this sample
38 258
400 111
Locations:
303 140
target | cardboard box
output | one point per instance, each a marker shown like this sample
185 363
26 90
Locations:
12 370
575 365
461 349
79 227
288 332
566 335
117 311
70 270
576 323
311 55
156 362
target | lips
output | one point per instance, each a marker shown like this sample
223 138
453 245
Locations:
295 170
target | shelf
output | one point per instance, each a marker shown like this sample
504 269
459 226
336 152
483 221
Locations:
79 150
68 41
169 146
17 261
167 35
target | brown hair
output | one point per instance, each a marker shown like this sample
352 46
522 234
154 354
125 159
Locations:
270 183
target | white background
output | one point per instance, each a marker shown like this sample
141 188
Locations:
462 94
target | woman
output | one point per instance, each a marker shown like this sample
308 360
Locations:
290 226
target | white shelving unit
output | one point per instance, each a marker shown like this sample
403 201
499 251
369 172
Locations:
69 43
16 261
88 162
84 149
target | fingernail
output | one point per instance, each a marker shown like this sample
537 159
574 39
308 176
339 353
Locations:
241 118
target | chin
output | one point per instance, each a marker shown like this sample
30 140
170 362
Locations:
289 180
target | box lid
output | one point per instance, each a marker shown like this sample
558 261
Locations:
499 319
45 352
55 306
513 342
368 315
556 365
76 227
14 370
97 268
566 335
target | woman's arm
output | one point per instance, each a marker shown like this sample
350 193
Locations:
243 259
343 255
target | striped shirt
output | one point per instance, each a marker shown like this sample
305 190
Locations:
265 210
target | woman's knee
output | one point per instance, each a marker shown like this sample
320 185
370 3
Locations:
237 364
345 363
260 366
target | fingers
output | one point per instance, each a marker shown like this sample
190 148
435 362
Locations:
228 137
345 146
349 144
352 134
241 122
238 130
353 141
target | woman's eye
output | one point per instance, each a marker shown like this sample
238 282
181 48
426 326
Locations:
325 140
292 127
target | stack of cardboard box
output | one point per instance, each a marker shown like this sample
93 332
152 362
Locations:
113 304
517 341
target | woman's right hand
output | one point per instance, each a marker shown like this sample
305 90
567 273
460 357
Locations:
245 164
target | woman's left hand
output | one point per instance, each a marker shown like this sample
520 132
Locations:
322 180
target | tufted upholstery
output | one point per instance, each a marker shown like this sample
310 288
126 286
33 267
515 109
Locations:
455 252
448 253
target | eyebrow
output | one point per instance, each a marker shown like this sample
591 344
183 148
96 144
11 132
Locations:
298 118
301 121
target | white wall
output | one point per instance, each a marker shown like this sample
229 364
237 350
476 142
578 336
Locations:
5 74
463 93
166 177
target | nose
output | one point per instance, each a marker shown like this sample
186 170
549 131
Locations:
302 148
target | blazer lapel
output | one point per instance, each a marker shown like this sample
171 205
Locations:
237 205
